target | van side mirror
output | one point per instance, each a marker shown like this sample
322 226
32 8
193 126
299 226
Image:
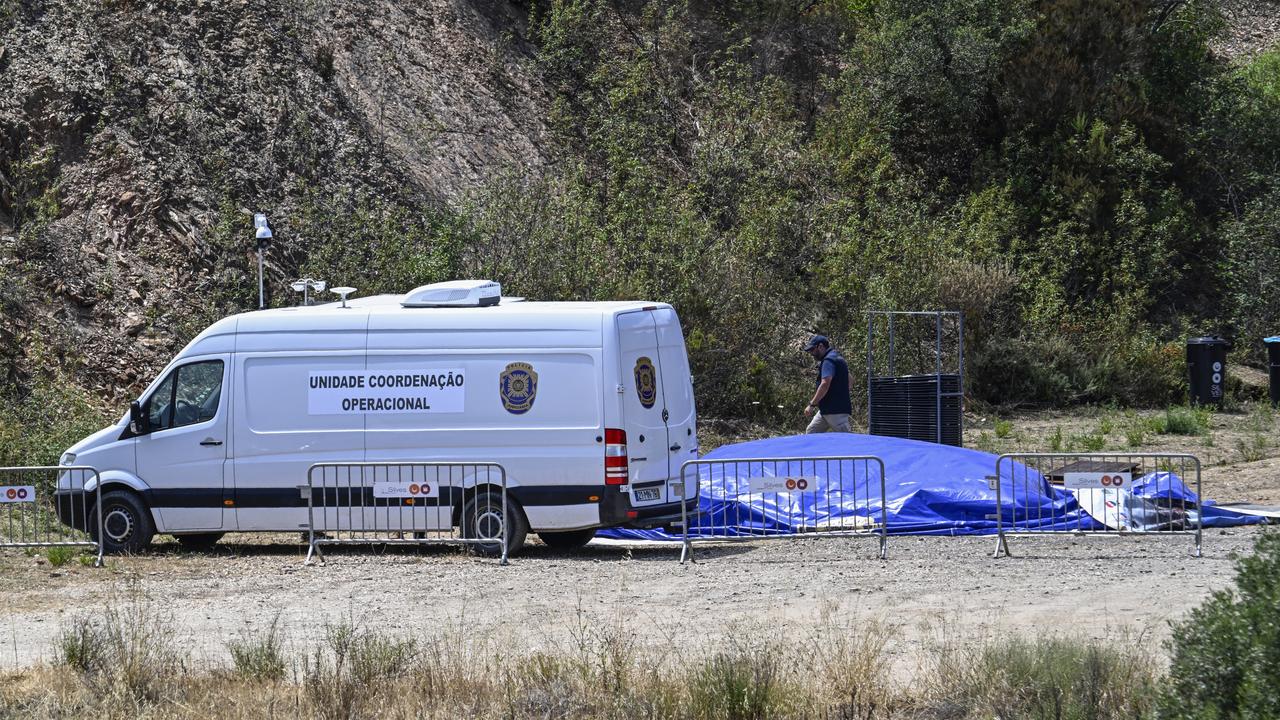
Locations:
138 424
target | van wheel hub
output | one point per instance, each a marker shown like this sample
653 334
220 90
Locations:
489 525
118 524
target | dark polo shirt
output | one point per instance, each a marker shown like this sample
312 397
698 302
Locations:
836 401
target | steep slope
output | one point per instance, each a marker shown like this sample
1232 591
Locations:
136 138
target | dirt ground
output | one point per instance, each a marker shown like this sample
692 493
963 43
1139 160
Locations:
793 590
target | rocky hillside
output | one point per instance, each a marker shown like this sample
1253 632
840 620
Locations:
1090 182
136 138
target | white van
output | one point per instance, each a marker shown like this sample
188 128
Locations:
588 406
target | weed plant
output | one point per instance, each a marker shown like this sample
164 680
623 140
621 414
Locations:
128 649
1003 429
259 657
1135 434
1182 420
1056 441
60 555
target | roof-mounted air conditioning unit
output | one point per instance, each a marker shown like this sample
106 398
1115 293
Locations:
455 293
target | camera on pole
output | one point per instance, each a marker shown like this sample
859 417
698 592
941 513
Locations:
263 236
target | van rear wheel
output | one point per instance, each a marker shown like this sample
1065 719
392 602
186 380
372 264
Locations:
566 541
126 523
484 518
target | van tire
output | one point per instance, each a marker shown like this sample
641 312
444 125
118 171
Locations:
567 541
128 524
199 541
483 512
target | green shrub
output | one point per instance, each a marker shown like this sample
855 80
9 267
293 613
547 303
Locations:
1226 654
1091 442
1182 420
1135 434
260 657
39 422
1253 448
61 555
1003 429
984 442
1063 370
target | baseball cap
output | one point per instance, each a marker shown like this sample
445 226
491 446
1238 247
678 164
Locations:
817 340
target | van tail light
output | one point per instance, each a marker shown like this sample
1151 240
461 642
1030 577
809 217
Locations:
615 457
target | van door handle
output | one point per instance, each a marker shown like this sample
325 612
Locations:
675 447
210 442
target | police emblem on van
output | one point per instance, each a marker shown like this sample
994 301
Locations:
646 382
518 387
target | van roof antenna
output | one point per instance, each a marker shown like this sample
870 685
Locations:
344 291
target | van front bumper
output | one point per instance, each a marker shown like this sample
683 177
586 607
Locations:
72 508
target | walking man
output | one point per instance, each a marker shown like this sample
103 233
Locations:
831 398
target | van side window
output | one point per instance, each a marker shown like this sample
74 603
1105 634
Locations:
189 395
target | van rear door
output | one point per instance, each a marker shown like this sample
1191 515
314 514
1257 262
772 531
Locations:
677 392
643 407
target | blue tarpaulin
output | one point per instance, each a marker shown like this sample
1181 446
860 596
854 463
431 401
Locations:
929 489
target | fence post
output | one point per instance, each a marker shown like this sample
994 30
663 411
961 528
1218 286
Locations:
686 549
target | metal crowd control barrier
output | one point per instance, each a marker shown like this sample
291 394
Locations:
51 506
784 497
1097 494
406 503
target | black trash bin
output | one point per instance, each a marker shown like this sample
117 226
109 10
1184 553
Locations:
1273 362
1207 369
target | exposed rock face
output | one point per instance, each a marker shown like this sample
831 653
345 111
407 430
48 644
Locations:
1253 27
445 85
131 133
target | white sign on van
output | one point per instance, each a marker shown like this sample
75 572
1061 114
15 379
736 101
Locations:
782 484
386 391
405 490
1091 480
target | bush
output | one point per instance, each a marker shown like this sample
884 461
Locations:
261 657
1065 369
61 555
1003 429
741 683
1226 655
1253 275
1182 420
38 422
1044 678
129 648
352 667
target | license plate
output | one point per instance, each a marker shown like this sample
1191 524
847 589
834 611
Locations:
646 494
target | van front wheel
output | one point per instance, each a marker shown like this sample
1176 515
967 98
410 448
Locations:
567 541
126 523
484 518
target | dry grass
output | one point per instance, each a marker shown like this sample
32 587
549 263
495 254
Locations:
1218 438
122 665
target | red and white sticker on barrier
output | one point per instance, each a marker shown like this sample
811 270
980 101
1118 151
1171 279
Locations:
1094 480
779 484
405 490
17 494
